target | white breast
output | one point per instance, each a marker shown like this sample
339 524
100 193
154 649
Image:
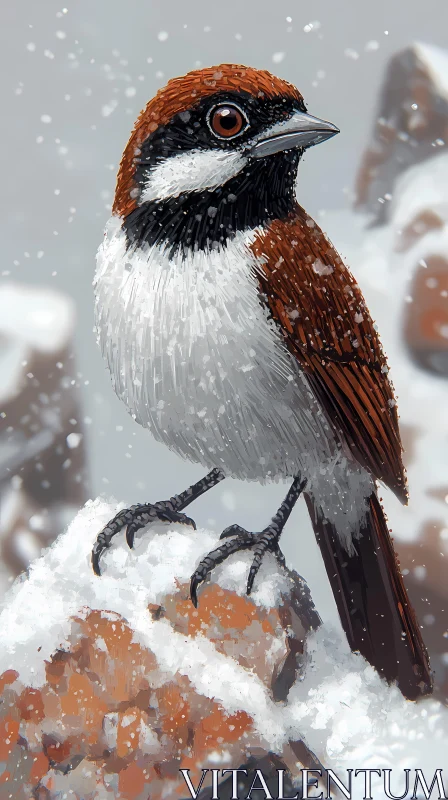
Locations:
194 356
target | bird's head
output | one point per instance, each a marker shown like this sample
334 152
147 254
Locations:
214 152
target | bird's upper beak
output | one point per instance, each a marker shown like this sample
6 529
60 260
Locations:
300 130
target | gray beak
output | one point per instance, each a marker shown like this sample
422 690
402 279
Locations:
300 130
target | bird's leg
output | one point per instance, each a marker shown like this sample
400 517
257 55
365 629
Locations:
142 514
268 539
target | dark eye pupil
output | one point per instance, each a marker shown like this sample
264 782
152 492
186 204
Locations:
228 120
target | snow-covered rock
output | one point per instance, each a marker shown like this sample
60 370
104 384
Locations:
123 681
42 477
419 224
111 685
421 190
411 124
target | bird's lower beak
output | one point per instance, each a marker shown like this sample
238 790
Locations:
301 130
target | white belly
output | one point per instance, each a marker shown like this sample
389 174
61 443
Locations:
196 359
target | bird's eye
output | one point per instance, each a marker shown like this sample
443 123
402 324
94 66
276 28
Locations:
226 121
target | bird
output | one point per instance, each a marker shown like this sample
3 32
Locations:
236 334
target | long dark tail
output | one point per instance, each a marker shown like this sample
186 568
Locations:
372 600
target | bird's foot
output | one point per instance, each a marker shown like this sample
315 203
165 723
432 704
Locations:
240 540
133 519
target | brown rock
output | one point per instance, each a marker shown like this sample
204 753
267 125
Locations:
109 719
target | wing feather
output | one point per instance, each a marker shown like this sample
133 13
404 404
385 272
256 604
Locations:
326 325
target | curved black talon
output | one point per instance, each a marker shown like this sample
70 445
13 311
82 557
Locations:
242 540
131 530
134 518
233 530
101 544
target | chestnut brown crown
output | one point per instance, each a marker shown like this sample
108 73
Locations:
180 95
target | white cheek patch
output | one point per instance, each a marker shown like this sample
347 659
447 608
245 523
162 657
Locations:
191 172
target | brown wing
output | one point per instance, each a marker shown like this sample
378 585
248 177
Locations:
326 324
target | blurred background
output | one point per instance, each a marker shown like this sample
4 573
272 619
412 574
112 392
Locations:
73 81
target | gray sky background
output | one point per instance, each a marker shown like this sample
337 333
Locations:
72 84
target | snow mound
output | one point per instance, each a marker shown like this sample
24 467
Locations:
435 59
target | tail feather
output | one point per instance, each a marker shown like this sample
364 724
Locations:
372 600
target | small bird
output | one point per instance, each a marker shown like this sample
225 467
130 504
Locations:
233 330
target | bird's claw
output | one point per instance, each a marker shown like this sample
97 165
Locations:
133 519
238 538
